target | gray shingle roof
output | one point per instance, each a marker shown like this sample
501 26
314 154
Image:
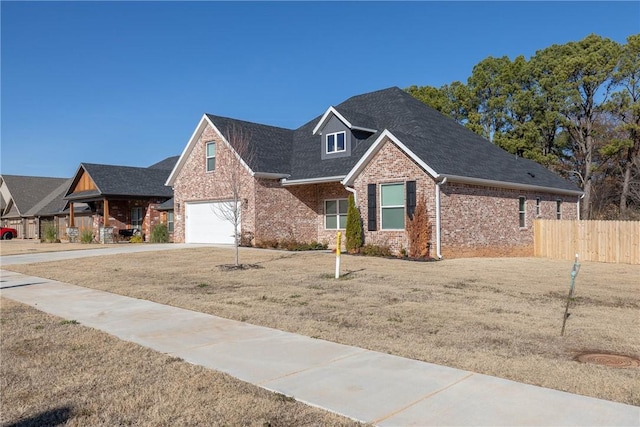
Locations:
28 191
444 145
166 206
125 181
166 164
52 204
270 146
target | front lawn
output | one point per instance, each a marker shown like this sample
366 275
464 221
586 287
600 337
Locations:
499 316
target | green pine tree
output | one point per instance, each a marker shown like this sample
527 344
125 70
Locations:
354 227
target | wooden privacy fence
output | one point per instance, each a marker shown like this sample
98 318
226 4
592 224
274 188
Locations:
603 241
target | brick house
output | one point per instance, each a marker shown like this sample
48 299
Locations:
386 148
121 197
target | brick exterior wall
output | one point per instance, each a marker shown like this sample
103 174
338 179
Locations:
120 215
475 220
195 184
391 165
295 212
485 221
285 212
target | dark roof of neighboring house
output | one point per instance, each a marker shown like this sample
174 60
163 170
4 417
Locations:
167 164
446 147
166 206
124 181
52 204
28 191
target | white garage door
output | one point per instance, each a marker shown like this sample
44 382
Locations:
203 224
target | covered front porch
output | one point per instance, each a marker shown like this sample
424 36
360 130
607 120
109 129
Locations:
112 219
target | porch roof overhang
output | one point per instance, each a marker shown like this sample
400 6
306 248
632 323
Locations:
322 180
85 196
96 196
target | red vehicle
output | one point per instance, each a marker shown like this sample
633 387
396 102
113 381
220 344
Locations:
7 233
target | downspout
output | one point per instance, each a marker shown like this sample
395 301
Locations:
352 191
580 198
438 220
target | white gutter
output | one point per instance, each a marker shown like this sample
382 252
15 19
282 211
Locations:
269 175
285 182
438 218
510 185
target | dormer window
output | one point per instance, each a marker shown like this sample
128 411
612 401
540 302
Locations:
336 142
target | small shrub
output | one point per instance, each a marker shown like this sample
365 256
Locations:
136 239
267 244
375 250
419 231
50 233
291 245
86 235
160 234
312 246
246 239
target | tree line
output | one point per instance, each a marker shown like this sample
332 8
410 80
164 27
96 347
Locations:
574 108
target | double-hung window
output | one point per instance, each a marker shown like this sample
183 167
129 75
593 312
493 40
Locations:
211 156
392 206
335 214
522 211
137 217
170 223
558 209
336 142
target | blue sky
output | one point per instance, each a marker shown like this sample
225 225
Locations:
127 82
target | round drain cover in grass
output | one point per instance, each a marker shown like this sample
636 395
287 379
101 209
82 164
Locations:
611 360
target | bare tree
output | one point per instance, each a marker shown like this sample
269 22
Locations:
231 181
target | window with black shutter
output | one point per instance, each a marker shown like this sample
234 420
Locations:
371 207
411 198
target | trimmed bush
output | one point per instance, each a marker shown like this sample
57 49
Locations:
159 234
291 245
353 233
376 250
136 239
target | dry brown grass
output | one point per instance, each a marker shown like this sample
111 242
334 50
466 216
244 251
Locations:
54 370
499 317
18 247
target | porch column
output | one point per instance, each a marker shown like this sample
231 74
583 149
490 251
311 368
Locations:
106 212
72 217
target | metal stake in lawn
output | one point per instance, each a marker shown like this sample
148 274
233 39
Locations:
338 243
574 273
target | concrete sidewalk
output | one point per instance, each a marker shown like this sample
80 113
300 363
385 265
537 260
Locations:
361 384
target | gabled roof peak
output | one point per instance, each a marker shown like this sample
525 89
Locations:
353 125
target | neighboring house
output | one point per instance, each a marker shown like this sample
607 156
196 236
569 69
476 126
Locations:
166 216
389 150
54 210
20 197
121 197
